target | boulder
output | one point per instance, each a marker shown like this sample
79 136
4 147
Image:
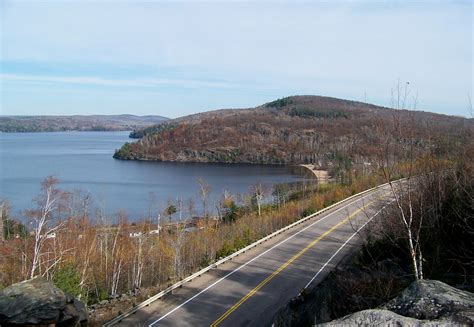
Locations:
39 302
432 299
423 303
375 317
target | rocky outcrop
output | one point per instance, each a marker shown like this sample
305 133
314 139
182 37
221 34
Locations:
431 299
423 303
374 317
348 288
39 302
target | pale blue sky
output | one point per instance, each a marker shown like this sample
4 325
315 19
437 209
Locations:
174 58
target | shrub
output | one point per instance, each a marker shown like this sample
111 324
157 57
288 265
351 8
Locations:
225 250
308 211
68 279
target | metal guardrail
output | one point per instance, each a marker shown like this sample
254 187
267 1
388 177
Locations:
230 257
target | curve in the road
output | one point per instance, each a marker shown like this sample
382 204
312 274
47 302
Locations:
254 285
288 262
281 267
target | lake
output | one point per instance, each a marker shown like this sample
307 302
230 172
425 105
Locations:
83 161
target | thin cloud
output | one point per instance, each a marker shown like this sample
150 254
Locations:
100 81
233 54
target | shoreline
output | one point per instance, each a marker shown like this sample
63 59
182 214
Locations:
321 175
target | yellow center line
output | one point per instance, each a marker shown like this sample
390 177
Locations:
286 264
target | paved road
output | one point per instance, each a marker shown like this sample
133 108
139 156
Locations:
250 289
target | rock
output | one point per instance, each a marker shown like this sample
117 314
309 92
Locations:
431 299
74 311
342 291
422 303
39 302
374 317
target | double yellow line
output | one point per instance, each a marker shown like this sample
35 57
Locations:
287 263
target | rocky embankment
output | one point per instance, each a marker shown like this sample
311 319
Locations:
423 303
39 302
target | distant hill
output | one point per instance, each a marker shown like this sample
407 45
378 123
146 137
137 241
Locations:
293 130
76 123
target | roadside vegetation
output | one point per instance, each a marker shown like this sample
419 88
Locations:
384 266
96 260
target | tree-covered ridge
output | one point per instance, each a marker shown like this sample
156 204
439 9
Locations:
137 134
19 124
303 129
279 103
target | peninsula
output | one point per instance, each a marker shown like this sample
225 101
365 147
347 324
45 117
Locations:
322 131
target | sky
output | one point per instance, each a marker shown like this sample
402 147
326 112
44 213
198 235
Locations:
174 58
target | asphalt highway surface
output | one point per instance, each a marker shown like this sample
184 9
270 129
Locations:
250 289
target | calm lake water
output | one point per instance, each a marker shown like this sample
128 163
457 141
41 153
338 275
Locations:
83 161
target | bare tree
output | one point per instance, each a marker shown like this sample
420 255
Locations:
79 204
117 261
179 208
88 240
204 190
158 221
405 202
259 191
152 204
190 207
139 255
280 194
177 243
2 213
48 202
398 155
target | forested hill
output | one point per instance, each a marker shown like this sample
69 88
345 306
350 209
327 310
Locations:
298 129
76 123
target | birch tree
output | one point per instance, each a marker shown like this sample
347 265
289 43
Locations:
177 243
117 261
204 190
258 191
397 154
49 201
139 257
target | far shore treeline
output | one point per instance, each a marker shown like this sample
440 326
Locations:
99 123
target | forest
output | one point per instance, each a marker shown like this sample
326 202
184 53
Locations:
27 124
332 133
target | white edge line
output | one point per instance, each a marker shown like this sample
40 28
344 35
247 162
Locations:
343 245
243 250
253 259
